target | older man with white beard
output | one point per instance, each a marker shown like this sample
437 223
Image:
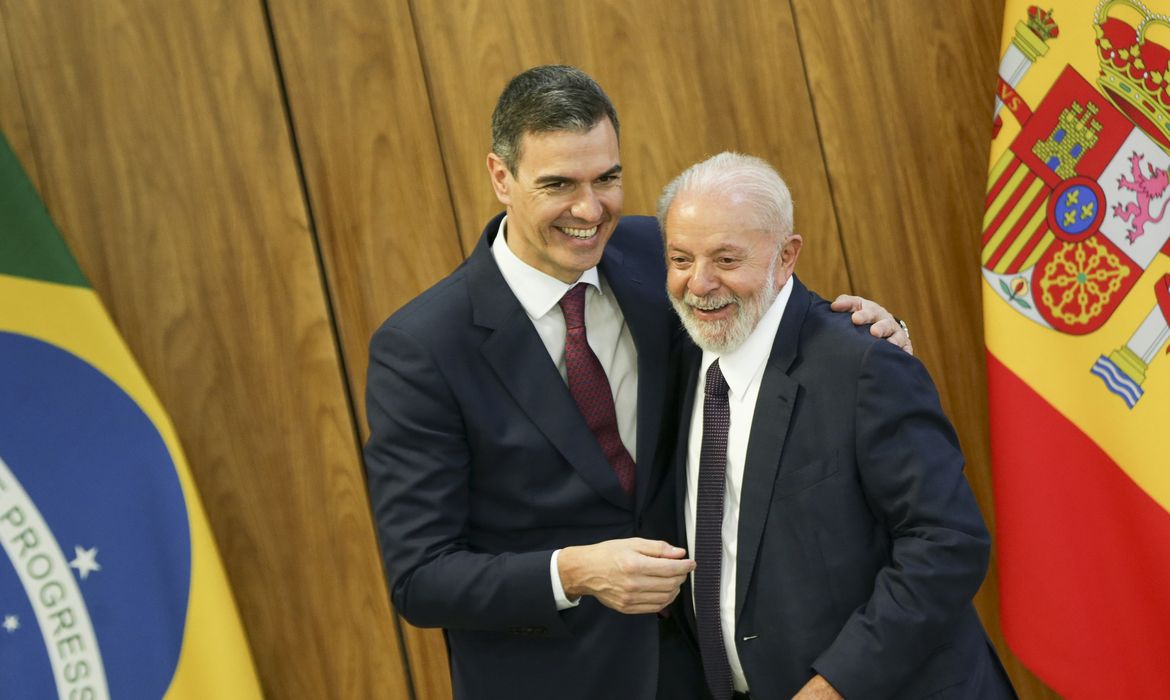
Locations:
837 543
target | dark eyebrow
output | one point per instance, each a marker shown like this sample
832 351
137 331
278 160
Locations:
555 179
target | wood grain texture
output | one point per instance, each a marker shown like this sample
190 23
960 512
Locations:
903 94
371 158
377 189
688 79
426 650
13 118
166 162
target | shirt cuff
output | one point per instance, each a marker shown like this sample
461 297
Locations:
563 603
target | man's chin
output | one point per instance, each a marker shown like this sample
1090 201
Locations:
711 336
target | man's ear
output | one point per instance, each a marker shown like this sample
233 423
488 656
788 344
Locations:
502 181
788 255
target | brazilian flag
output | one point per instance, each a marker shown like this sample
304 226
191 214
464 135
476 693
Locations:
110 582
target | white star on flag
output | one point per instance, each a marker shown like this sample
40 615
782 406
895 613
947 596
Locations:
11 623
85 562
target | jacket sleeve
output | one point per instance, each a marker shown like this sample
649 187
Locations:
911 469
418 465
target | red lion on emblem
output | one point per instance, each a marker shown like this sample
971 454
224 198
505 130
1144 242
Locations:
1148 188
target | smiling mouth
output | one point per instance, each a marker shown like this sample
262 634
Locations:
711 307
581 234
711 315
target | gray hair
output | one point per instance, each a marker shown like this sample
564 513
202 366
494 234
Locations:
746 176
543 99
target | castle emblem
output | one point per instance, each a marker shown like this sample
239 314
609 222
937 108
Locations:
1075 133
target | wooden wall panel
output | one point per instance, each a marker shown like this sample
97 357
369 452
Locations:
377 189
688 79
371 157
903 93
13 118
165 160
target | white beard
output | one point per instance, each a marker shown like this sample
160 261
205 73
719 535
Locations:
725 335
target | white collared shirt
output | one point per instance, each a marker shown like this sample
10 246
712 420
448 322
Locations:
743 369
606 331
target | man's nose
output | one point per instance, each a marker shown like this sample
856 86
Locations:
702 281
586 207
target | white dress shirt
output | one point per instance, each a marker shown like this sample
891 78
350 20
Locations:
605 329
743 369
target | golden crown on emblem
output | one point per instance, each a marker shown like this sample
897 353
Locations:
1133 47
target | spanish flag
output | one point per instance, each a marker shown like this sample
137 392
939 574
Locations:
1076 296
110 583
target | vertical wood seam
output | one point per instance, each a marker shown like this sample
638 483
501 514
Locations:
326 290
431 104
812 100
36 176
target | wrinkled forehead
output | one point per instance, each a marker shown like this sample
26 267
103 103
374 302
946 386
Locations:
716 211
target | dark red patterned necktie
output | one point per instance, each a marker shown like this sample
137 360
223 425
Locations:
709 533
590 387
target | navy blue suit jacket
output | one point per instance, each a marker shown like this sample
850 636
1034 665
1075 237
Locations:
479 465
860 544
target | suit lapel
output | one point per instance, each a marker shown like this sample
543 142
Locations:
774 406
517 355
650 327
692 361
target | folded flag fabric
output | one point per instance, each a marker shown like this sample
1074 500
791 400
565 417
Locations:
1076 270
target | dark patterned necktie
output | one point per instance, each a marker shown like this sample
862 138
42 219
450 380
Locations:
590 388
709 533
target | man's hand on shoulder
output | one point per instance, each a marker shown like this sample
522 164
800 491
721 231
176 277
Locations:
884 325
632 576
817 688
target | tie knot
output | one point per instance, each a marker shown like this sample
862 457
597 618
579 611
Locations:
716 384
573 306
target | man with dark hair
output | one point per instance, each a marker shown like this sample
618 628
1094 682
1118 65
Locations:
544 99
838 545
517 413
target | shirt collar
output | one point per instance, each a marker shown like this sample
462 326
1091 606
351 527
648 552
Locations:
536 291
741 365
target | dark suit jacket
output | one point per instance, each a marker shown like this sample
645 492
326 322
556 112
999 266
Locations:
479 465
860 543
